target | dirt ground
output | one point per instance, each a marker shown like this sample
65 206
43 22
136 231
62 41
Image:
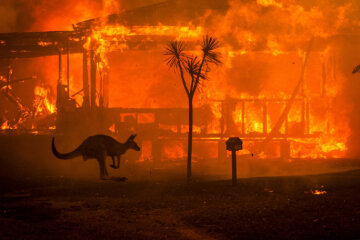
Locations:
257 208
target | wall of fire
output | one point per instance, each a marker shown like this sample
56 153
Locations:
244 97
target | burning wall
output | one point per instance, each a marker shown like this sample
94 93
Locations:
264 43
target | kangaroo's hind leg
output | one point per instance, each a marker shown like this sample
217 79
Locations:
103 171
101 159
118 161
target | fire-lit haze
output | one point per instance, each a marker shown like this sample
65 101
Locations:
264 44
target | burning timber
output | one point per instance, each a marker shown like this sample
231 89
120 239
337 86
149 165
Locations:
165 124
252 118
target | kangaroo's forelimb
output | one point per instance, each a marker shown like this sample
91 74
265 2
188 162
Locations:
113 165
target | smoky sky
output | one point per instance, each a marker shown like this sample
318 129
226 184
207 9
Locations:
31 15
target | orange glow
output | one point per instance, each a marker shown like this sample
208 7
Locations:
5 125
262 60
112 128
44 44
107 38
146 150
267 3
42 104
174 150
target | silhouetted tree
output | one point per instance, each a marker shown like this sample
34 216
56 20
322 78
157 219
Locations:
356 69
196 69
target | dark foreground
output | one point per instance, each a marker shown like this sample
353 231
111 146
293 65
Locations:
258 208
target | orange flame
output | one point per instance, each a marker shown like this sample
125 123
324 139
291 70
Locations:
42 104
261 60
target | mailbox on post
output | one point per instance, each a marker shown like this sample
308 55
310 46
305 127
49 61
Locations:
234 144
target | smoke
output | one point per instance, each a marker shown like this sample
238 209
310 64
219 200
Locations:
43 15
8 16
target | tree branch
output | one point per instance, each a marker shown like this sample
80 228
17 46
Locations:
193 89
183 79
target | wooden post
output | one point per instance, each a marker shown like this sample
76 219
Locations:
106 87
101 93
234 144
59 89
234 178
93 78
86 100
68 69
60 69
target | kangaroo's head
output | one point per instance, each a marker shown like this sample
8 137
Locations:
130 143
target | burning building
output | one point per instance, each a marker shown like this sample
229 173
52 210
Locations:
283 86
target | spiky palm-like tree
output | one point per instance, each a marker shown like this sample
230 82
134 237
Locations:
192 70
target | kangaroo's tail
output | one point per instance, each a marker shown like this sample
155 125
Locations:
69 155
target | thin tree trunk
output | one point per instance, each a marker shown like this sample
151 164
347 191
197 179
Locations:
190 138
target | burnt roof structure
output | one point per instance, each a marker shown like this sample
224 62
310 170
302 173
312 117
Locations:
37 44
173 12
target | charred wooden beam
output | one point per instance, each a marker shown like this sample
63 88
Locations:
60 69
59 85
68 70
86 100
106 88
35 44
92 78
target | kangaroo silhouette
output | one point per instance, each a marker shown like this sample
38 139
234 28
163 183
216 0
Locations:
99 147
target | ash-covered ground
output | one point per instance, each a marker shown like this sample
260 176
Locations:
56 207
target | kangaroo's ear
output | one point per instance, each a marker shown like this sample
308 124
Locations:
132 136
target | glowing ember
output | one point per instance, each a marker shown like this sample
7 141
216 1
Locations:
5 125
112 128
318 192
44 44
